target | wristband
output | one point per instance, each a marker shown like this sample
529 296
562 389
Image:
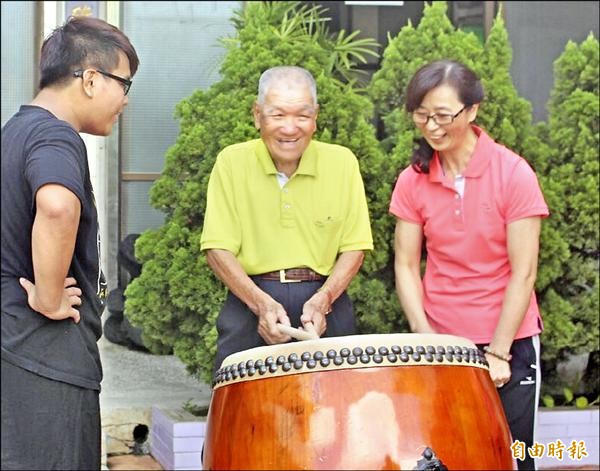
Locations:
500 356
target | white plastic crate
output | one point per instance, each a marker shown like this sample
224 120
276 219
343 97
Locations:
177 438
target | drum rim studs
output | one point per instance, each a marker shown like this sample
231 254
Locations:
353 357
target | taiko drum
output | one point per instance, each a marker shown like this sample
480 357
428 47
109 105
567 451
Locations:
394 401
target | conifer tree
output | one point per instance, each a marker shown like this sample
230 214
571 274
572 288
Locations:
570 300
504 114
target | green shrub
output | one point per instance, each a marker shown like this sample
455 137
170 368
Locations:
570 294
176 299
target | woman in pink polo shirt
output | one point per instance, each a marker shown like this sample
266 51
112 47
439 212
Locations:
477 206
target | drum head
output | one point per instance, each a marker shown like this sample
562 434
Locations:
353 351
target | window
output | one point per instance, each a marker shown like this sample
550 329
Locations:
179 53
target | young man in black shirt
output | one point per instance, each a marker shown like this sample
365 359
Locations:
53 288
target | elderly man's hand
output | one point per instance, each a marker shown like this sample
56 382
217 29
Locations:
315 310
270 313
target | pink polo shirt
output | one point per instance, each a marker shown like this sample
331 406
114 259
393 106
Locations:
467 259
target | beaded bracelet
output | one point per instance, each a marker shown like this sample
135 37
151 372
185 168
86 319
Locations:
489 351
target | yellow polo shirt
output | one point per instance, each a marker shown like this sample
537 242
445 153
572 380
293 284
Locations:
320 212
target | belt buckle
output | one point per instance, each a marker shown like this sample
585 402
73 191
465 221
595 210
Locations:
283 279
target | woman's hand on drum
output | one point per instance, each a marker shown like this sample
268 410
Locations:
499 370
425 329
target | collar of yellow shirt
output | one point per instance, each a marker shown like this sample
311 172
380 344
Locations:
308 160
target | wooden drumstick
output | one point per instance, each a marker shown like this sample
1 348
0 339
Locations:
298 334
310 328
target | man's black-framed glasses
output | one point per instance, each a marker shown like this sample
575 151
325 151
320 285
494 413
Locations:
126 83
441 119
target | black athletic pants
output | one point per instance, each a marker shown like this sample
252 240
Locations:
520 395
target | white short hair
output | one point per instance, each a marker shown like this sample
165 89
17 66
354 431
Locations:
285 73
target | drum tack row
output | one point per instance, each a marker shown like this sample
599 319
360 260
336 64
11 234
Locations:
349 358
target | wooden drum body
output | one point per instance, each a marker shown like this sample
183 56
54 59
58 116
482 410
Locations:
395 401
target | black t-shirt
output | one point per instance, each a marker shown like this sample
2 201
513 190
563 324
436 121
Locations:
37 149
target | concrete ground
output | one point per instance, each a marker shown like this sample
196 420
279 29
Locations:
134 381
133 463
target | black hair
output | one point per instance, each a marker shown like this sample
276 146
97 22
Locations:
83 42
442 72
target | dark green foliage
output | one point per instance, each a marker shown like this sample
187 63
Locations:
176 299
504 114
570 273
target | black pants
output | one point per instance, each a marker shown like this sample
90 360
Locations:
237 325
520 395
47 424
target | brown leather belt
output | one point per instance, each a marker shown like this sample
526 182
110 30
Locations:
292 275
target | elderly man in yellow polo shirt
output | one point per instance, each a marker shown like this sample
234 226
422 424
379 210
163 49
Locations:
286 222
